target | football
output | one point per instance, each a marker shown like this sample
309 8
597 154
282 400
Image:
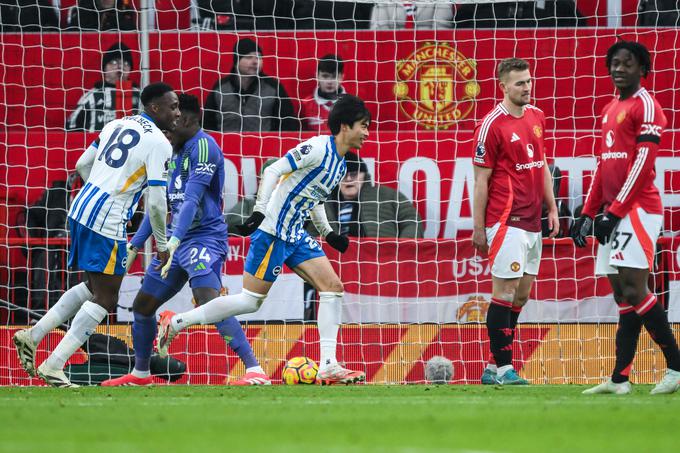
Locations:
299 370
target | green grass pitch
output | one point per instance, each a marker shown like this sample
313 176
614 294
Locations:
371 418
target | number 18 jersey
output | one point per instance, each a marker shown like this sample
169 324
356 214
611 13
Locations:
132 154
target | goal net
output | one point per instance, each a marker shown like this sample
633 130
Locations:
414 286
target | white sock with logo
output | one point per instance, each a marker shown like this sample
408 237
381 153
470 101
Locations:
84 323
67 306
328 322
219 309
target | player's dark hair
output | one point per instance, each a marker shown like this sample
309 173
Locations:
154 91
331 64
347 110
189 103
639 51
508 65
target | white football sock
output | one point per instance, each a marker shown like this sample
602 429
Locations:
328 323
219 309
65 308
255 369
84 323
492 367
503 369
141 374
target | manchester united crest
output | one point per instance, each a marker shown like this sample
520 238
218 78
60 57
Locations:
621 116
436 85
538 132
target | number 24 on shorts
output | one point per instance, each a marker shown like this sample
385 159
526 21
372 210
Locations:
194 255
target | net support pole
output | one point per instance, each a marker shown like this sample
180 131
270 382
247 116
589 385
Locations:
144 30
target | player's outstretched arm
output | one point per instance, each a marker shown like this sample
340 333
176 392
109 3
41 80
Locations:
480 199
549 198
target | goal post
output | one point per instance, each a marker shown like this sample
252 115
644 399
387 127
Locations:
407 298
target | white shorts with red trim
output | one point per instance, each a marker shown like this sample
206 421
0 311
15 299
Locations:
632 244
513 252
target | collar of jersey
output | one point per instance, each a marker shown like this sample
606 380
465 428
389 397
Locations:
144 115
193 139
333 147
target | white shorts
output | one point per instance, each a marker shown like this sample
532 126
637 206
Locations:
632 244
513 252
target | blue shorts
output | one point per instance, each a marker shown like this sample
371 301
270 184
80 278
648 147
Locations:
93 252
267 254
198 260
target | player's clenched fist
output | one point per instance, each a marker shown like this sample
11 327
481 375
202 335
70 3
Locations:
251 224
339 242
581 229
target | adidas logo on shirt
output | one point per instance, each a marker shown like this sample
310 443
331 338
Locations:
514 138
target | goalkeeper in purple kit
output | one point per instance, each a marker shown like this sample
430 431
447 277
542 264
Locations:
198 247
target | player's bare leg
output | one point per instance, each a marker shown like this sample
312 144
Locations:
105 297
320 274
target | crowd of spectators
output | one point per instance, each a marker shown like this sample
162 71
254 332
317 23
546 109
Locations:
248 15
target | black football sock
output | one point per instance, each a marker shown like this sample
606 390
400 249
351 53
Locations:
655 321
514 315
498 325
627 334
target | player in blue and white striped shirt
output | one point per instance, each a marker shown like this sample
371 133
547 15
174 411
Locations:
292 190
129 155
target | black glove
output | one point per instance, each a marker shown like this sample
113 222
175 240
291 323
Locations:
582 228
605 227
250 225
337 241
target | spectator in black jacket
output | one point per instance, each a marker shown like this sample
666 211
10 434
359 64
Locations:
28 15
103 15
247 99
113 97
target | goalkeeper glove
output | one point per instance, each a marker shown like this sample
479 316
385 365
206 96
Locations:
131 256
582 228
173 243
605 227
250 225
337 241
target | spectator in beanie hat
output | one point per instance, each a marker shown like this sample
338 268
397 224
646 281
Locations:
115 96
247 99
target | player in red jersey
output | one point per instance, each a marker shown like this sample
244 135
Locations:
623 188
512 181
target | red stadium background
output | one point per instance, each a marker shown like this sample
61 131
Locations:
44 75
